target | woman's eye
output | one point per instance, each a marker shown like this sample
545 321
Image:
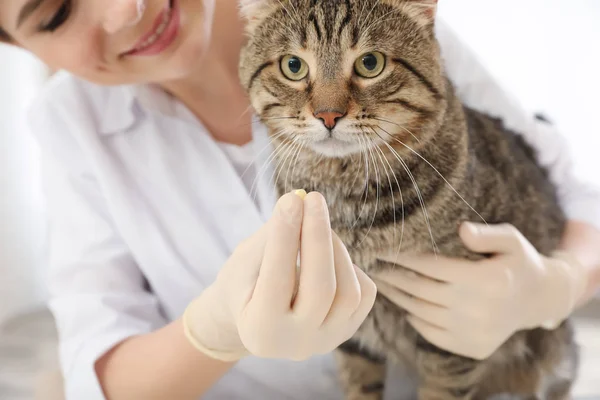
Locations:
58 19
370 65
294 68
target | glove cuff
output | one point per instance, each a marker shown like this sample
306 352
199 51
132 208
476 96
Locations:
189 316
576 273
572 279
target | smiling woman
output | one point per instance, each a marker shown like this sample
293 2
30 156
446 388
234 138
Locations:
103 41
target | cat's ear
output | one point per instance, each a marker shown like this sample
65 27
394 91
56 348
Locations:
422 11
255 10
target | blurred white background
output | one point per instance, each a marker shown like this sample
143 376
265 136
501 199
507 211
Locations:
545 51
21 203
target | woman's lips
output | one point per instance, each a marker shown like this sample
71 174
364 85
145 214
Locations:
162 35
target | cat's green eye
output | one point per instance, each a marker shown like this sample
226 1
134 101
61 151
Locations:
370 65
294 68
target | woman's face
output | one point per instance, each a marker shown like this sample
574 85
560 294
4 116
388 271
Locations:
112 41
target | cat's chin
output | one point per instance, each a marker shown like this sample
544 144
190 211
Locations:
335 148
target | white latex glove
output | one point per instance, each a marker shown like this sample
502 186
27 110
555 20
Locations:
259 305
471 308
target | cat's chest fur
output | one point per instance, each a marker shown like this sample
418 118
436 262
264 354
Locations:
377 207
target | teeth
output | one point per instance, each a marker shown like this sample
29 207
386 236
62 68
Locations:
161 28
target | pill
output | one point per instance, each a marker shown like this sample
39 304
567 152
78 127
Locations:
300 193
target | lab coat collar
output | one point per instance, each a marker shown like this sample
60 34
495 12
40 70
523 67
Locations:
119 113
126 104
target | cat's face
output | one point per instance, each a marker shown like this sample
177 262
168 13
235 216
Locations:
343 76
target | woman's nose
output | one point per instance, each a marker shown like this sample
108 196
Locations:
123 13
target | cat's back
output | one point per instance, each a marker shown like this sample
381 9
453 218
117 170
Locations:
512 179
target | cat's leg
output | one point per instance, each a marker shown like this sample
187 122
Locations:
362 374
445 376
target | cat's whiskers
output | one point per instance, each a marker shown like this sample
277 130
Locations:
294 15
382 158
263 169
293 162
272 139
296 160
246 124
266 164
364 146
283 160
286 161
381 20
245 111
369 14
417 190
285 27
270 144
358 169
377 180
276 118
437 172
401 197
398 125
362 10
375 23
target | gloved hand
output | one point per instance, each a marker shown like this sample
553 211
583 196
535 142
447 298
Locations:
261 305
471 308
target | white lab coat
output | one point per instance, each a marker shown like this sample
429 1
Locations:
145 207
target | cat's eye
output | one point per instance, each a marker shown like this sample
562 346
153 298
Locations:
294 68
370 65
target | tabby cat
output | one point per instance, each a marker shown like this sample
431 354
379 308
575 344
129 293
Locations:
359 109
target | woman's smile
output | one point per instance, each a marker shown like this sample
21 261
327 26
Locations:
163 33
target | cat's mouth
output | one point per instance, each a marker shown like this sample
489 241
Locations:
336 147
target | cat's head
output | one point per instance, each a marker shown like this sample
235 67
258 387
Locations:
343 75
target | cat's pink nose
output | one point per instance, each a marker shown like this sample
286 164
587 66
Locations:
329 117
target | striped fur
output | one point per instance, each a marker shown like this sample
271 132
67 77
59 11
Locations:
403 167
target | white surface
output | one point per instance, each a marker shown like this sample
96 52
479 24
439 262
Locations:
21 223
548 53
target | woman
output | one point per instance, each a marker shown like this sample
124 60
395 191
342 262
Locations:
147 144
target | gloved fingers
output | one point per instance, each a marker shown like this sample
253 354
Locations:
249 253
436 267
348 290
441 338
432 313
417 285
317 281
368 293
277 277
500 238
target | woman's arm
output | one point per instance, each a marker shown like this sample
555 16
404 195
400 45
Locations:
161 365
114 340
115 343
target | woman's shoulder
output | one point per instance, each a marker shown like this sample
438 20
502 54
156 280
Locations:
76 104
69 116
